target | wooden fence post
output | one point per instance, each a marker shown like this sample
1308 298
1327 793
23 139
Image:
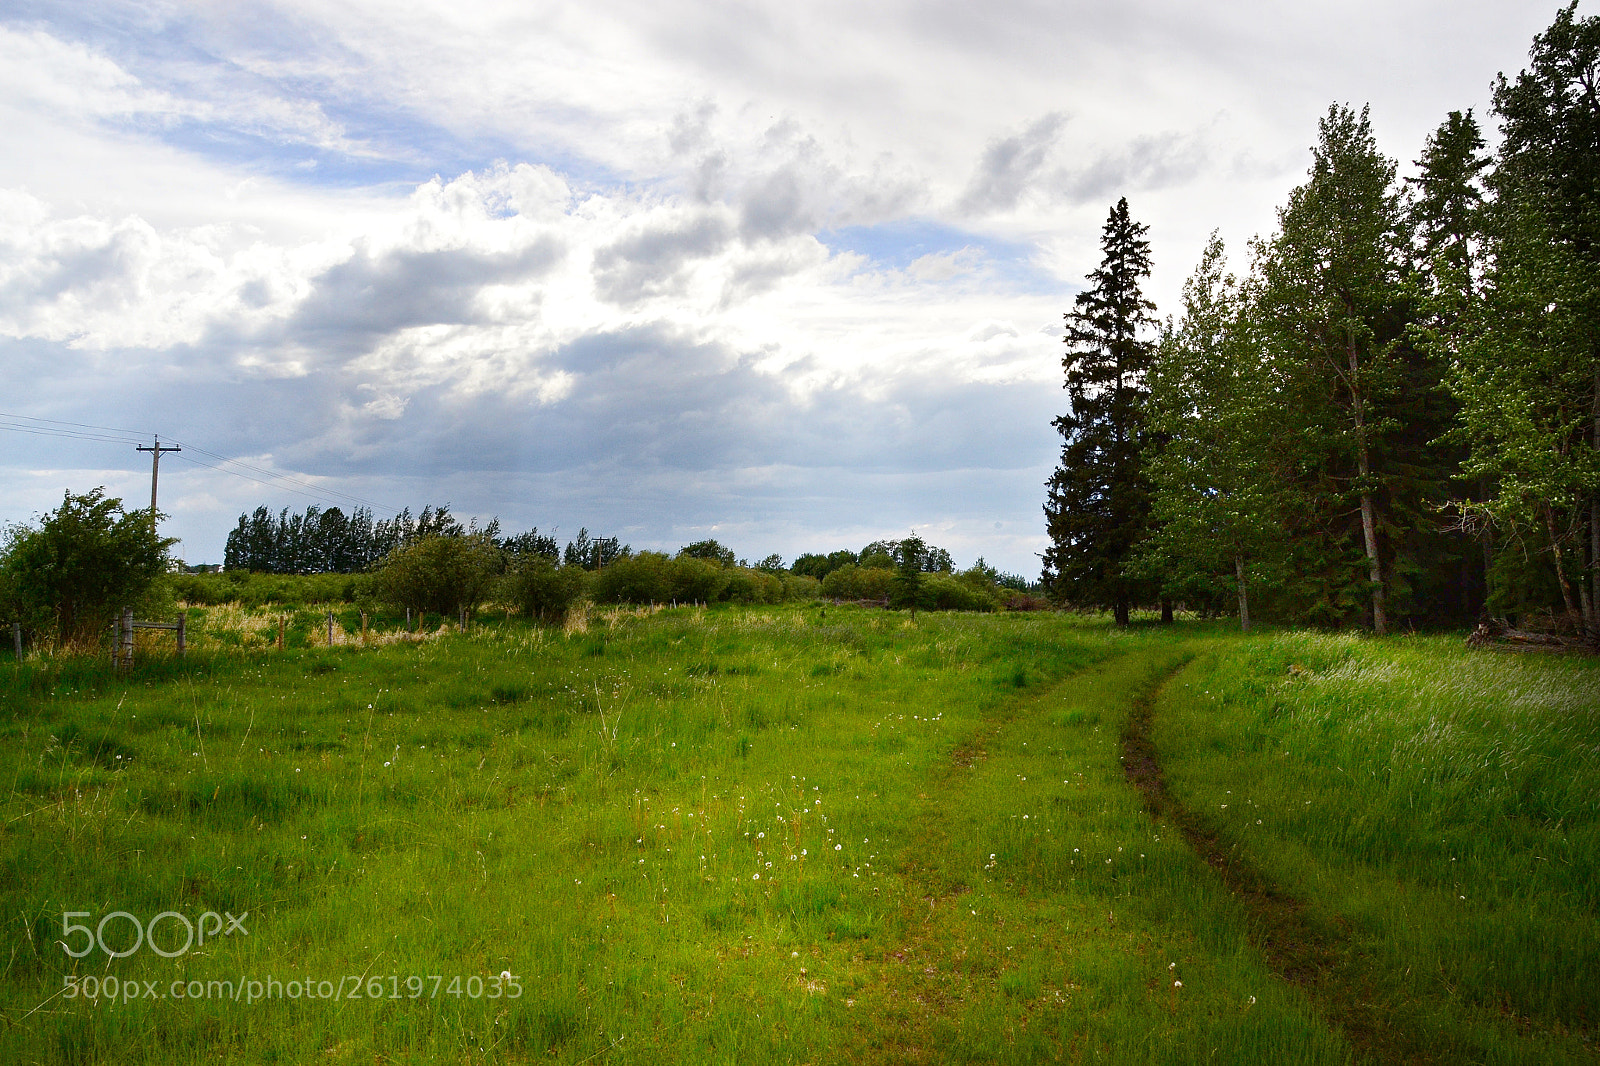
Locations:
363 627
125 639
183 619
281 623
16 637
330 629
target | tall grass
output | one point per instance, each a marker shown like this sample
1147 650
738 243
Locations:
725 835
1444 804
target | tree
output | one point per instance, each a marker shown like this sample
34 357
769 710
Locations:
811 564
87 560
1332 280
1098 504
710 550
532 543
907 588
1221 477
594 553
1446 213
1528 368
1447 217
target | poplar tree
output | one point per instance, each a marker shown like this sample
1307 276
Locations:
1098 501
1222 475
1528 369
1333 278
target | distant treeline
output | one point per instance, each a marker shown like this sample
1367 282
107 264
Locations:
318 541
433 561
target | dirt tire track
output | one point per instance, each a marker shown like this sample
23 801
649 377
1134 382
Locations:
1304 949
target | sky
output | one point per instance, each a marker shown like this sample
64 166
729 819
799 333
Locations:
786 275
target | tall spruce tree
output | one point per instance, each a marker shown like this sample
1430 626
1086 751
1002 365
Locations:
1098 504
1447 213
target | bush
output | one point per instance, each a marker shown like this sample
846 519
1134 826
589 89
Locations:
440 574
641 578
852 582
942 592
693 579
542 590
800 587
651 577
70 577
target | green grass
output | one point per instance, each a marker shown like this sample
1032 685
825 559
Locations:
1440 806
741 835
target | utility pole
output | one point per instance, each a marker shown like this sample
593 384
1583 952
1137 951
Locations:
155 467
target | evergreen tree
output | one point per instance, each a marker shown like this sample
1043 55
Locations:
1446 211
1447 216
908 589
1098 504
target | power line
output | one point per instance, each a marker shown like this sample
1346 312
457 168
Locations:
50 427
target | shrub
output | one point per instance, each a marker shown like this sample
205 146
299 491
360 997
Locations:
945 593
542 590
441 574
259 590
641 578
693 579
87 560
800 587
852 582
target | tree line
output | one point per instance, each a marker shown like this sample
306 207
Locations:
1390 418
63 580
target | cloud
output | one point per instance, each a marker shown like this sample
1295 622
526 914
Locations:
786 270
1150 162
1010 166
78 83
387 292
654 259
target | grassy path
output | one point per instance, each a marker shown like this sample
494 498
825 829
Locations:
1308 952
1048 919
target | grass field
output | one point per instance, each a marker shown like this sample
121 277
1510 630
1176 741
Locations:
796 834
